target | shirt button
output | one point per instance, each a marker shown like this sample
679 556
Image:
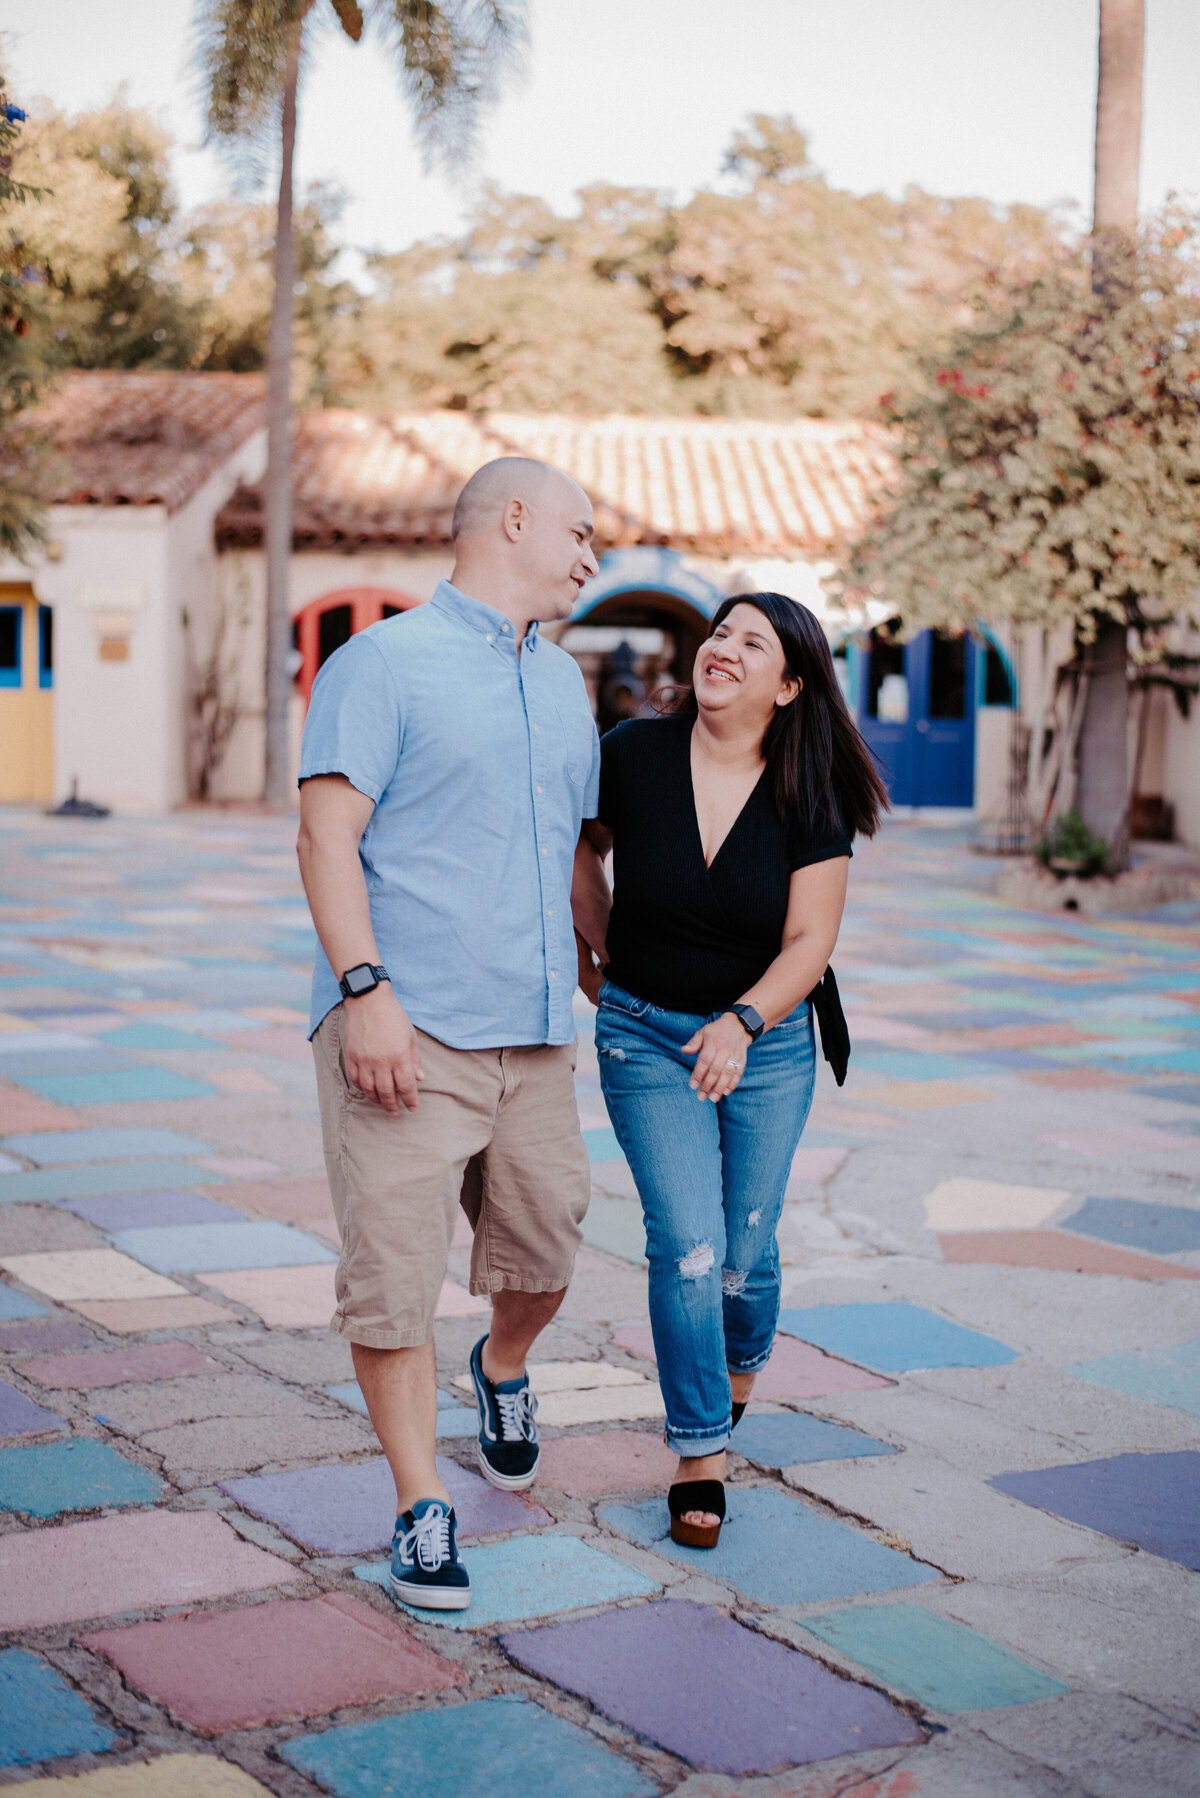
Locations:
549 911
490 637
535 730
553 975
545 852
537 789
506 627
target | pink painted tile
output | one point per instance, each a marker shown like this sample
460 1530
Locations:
464 1236
923 1095
240 1080
1075 1079
149 1361
1123 1139
129 1317
1028 1036
795 1370
289 1200
455 1301
239 1167
277 1014
869 1027
1057 1250
21 1112
284 1044
817 1164
612 1461
124 1563
286 1298
240 1669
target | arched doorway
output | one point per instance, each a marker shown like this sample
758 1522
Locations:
917 704
26 696
326 623
636 626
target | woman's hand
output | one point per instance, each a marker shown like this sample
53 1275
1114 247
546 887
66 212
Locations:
720 1049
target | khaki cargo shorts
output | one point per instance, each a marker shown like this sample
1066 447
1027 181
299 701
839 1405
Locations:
495 1131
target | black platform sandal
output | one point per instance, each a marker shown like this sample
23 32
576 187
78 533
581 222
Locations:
696 1495
739 1411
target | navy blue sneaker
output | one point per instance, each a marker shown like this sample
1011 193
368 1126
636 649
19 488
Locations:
508 1438
426 1570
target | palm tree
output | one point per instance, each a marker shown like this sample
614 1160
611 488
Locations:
450 56
1103 791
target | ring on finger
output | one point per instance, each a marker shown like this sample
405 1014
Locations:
735 1065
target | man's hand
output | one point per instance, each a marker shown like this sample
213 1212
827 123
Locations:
720 1049
383 1057
591 972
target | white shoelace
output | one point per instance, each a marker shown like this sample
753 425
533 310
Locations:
517 1412
427 1543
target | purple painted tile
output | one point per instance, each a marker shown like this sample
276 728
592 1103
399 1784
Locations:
50 1338
19 1416
149 1210
350 1510
1151 1500
747 1705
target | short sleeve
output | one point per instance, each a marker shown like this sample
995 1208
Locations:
609 798
806 847
355 720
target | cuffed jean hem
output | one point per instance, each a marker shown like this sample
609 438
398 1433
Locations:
689 1449
753 1366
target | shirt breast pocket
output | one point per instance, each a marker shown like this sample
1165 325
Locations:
577 737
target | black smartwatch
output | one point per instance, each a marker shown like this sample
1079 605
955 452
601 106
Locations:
750 1020
362 979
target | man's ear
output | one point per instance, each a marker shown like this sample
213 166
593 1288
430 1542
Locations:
514 519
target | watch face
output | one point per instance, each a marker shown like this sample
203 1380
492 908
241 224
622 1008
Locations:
360 980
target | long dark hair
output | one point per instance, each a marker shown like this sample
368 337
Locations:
822 772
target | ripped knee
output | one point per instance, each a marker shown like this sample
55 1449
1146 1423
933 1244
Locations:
611 1055
697 1262
733 1282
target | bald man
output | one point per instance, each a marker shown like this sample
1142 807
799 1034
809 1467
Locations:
449 758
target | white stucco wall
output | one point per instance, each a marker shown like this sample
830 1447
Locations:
1181 770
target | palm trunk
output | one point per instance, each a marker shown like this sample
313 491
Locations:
277 497
1103 743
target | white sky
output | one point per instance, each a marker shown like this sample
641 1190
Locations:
992 97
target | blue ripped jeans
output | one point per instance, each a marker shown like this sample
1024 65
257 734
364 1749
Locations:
711 1180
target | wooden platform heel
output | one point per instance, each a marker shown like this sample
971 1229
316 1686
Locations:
696 1495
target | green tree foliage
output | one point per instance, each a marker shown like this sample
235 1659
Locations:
1049 462
24 365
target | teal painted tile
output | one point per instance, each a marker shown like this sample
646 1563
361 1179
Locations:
893 1337
775 1549
41 1718
86 1182
213 1248
602 1145
531 1576
504 1747
60 1148
905 1064
153 1037
49 1478
123 1086
786 1438
615 1225
15 1304
1168 1376
942 1664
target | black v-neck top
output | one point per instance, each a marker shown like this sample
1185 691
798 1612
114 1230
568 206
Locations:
683 936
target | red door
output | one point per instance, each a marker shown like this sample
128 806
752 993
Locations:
333 619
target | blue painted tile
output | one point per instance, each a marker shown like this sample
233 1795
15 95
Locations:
49 1184
1168 1376
943 1664
124 1086
911 1064
59 1148
531 1576
48 1478
775 1549
1152 1500
210 1248
785 1438
452 1420
151 1210
615 1225
19 1416
602 1145
15 1304
211 1021
41 1718
893 1338
92 1060
503 1747
152 1037
1182 1094
1133 1224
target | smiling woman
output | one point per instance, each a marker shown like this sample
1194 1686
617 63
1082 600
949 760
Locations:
730 825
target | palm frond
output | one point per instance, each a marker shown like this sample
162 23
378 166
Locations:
240 51
452 55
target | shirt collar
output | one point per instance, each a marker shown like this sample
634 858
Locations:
495 626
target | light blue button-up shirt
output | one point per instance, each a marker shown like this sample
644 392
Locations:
482 762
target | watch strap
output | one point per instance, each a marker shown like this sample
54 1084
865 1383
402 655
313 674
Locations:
750 1020
359 988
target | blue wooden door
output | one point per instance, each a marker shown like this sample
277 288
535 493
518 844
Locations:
917 712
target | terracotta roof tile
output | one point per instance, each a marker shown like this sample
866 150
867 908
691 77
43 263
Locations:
716 486
129 438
